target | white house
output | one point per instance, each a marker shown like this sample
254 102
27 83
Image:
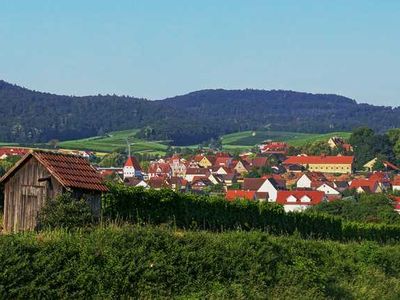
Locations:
132 168
328 190
307 180
299 200
271 187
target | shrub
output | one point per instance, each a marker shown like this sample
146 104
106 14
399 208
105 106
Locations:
188 211
212 213
134 262
65 212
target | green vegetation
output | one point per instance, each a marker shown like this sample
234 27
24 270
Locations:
367 145
161 263
65 212
230 142
188 211
250 138
371 208
186 120
116 140
238 257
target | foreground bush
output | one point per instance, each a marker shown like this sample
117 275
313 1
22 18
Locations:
146 262
212 213
65 212
370 208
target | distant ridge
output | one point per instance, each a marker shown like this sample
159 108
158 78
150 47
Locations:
29 116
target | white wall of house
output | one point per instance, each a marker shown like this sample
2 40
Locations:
213 179
328 190
221 171
396 188
267 187
130 172
189 177
142 183
295 207
303 182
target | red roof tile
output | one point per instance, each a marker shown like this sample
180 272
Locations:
252 184
315 196
69 170
364 183
159 168
239 194
132 162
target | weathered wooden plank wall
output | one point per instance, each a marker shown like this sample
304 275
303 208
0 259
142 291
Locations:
24 195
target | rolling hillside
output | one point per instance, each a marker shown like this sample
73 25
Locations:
35 117
251 138
239 140
115 140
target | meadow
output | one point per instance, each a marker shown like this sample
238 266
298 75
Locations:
116 140
251 138
230 142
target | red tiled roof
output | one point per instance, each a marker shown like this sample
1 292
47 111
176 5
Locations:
315 196
178 181
364 183
305 160
197 171
278 179
259 162
157 182
380 176
132 181
10 151
222 161
198 179
239 194
132 162
391 166
396 180
277 147
315 176
69 170
163 168
252 184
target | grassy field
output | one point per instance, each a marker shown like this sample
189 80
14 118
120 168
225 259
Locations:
115 140
247 139
239 140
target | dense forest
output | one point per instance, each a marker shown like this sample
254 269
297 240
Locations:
29 116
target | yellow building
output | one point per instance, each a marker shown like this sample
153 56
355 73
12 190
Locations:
324 164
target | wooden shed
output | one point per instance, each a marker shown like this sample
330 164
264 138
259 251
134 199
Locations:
42 175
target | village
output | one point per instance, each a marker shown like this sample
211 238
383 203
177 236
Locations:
296 182
270 174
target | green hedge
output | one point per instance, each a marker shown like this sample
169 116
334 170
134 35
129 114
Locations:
190 211
212 213
142 262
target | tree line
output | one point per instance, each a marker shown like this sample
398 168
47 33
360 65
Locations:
30 116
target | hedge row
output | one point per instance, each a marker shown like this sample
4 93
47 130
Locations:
189 211
145 262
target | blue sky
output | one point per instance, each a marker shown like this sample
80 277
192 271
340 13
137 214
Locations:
155 49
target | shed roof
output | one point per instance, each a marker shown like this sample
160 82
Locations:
70 171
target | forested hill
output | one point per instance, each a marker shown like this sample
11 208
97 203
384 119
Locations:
29 116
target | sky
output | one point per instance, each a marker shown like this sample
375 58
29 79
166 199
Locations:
157 49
